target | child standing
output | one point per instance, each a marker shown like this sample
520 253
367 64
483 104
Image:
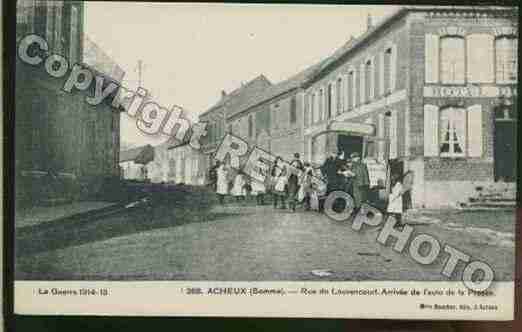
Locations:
395 200
238 189
280 189
258 190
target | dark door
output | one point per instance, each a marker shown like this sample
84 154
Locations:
505 150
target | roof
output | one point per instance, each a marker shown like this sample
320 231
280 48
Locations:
138 155
354 43
259 82
255 98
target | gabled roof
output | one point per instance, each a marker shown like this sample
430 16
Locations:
259 82
255 98
139 155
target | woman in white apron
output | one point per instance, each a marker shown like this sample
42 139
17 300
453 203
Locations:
222 183
238 190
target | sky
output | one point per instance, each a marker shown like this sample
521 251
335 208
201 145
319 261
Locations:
190 52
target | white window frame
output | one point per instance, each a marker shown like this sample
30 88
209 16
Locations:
453 131
442 76
513 39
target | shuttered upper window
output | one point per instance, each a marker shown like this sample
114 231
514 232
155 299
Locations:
452 60
506 50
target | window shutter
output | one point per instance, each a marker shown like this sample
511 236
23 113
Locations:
362 89
480 58
431 130
393 67
475 131
431 58
381 74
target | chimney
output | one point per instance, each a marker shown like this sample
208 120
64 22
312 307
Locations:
223 93
369 22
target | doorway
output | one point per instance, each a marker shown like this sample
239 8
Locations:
505 149
349 144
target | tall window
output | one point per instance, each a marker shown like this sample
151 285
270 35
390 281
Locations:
506 49
339 95
368 80
320 106
452 50
250 126
293 110
452 132
313 109
387 71
329 102
350 87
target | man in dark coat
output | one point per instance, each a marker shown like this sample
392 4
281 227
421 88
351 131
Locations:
329 170
293 181
361 180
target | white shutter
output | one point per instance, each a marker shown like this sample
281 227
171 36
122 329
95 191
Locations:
431 130
480 58
431 58
393 67
362 84
372 79
381 74
475 131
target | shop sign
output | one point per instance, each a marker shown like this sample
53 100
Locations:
468 91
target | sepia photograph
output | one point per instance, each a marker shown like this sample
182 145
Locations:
265 143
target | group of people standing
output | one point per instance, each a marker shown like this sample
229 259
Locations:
347 174
292 183
285 184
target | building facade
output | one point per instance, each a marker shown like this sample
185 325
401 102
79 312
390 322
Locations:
273 118
57 131
438 85
217 119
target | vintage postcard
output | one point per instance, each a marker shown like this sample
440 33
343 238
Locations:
177 159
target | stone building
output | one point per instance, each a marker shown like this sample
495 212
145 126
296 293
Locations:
56 131
437 85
